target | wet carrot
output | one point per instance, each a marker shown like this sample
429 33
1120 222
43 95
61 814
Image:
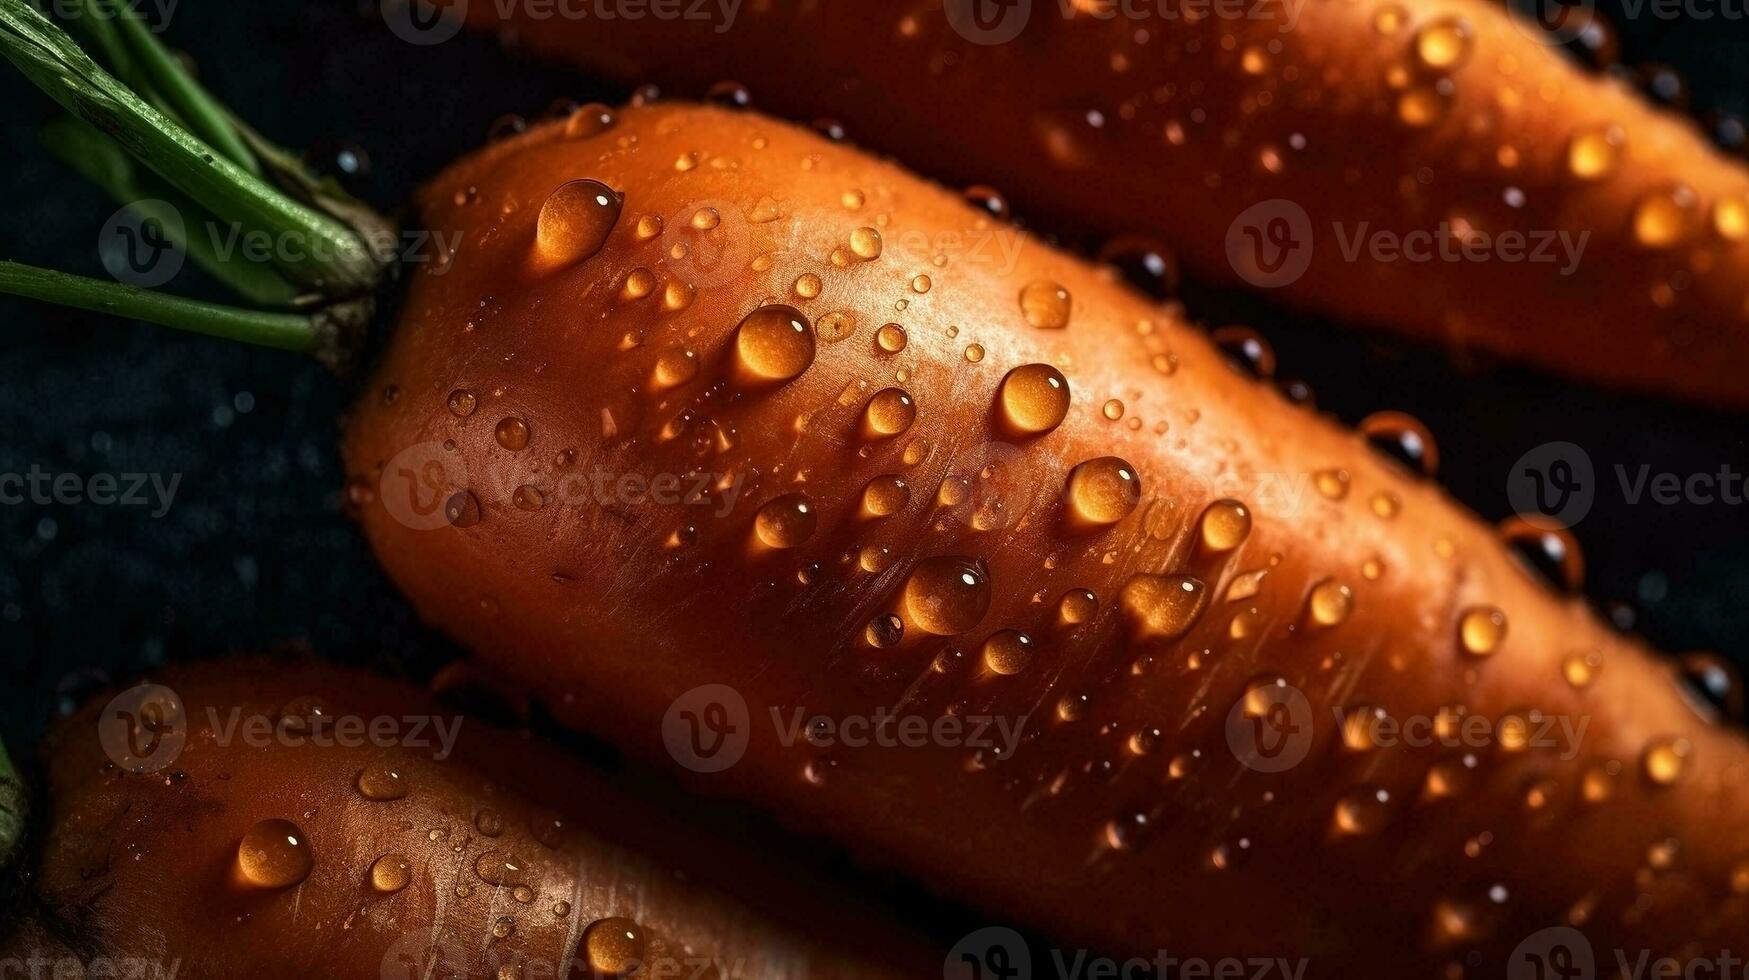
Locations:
1438 168
265 819
704 399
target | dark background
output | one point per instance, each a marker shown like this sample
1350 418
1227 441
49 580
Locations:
256 552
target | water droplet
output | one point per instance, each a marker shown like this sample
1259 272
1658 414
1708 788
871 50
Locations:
381 783
1007 652
462 403
1581 669
575 221
513 434
892 338
1665 759
462 510
1403 438
1162 607
675 366
1225 525
786 522
1034 399
1147 266
1103 491
1593 153
1077 606
866 243
1713 684
885 496
1424 105
1112 409
589 120
774 344
889 413
1443 44
1330 603
884 631
1663 218
948 595
1246 349
1550 553
275 854
1481 630
729 95
497 868
1332 484
1045 305
988 200
614 947
390 873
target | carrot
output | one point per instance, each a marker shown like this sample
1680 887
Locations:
768 460
750 409
264 819
1437 168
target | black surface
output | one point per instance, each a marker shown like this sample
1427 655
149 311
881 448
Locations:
255 550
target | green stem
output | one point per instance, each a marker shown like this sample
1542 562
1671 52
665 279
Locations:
13 806
164 74
283 331
345 267
98 159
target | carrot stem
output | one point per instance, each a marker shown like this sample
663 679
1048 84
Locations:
282 331
45 54
165 75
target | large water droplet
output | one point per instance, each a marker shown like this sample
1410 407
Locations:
275 854
786 522
614 947
774 344
1045 305
1103 491
947 595
575 221
1033 399
390 873
889 413
1162 607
